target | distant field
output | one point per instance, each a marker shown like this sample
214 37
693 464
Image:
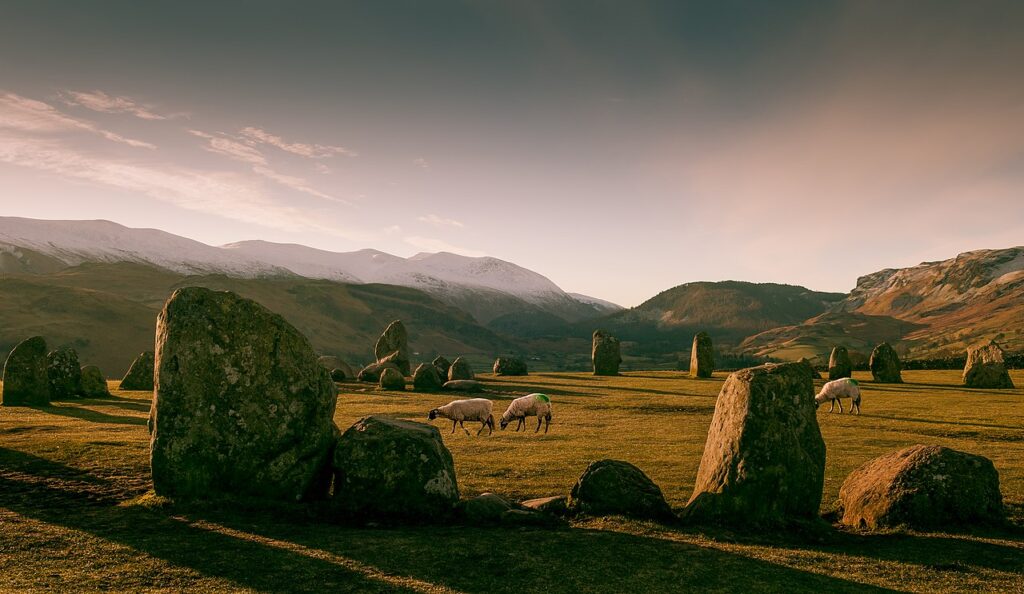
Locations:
74 514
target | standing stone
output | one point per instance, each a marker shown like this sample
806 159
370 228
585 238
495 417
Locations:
605 353
885 365
140 374
442 365
985 368
839 364
764 460
25 379
371 373
460 370
426 378
614 487
510 366
702 357
338 374
241 406
393 345
394 470
391 379
922 487
330 363
94 385
64 373
810 367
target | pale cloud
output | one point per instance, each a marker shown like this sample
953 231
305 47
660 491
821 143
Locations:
430 244
421 163
102 102
435 220
312 151
321 168
29 115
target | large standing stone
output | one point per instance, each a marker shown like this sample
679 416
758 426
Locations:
510 366
922 487
390 469
241 405
426 378
614 487
371 373
702 356
460 370
764 460
330 363
442 365
393 345
391 379
140 374
839 364
605 353
985 368
94 385
885 365
25 379
64 373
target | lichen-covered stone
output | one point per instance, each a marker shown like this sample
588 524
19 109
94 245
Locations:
702 356
442 365
241 405
922 487
25 379
393 345
391 379
510 366
332 363
614 487
985 368
64 373
764 459
393 470
605 353
94 385
490 508
810 367
839 364
463 386
140 374
885 365
460 370
371 373
426 378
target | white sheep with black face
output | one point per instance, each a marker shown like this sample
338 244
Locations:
473 409
531 405
835 390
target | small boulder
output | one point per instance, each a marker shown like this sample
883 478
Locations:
463 386
391 469
331 363
985 368
371 373
391 379
94 385
64 373
702 356
839 364
460 370
764 459
605 353
489 508
393 345
922 487
810 367
510 366
885 365
617 488
557 505
426 378
442 365
140 374
241 406
338 375
25 379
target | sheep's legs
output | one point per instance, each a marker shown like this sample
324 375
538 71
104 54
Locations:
454 423
539 421
482 425
832 406
463 427
521 424
547 423
840 405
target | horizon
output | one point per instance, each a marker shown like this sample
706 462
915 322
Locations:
618 152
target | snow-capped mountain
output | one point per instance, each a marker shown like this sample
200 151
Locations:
486 287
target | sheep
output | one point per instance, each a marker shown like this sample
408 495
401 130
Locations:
473 409
835 390
538 405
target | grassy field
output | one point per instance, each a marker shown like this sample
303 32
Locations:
75 514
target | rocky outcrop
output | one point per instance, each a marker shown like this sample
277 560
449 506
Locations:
605 353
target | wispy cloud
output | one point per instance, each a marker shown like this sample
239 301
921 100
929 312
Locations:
430 244
102 102
421 163
321 168
312 151
28 115
433 219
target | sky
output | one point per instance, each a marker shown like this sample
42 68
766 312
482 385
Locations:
618 148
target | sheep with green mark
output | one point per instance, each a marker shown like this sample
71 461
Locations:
531 405
835 390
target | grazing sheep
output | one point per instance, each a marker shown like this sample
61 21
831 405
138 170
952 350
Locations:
474 409
532 405
835 390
